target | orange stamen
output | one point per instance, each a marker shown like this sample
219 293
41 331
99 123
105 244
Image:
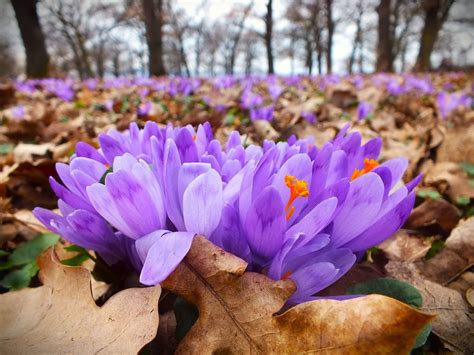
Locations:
286 275
194 137
298 188
369 165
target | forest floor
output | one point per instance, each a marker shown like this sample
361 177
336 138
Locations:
434 251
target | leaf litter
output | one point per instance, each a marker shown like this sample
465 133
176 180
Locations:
433 252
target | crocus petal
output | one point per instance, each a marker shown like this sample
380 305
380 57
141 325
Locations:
298 166
105 205
265 223
361 206
90 167
186 146
144 244
70 198
397 168
311 279
202 203
164 256
189 172
46 217
412 184
384 227
90 231
87 151
372 148
110 147
138 204
65 175
124 162
172 164
315 220
338 167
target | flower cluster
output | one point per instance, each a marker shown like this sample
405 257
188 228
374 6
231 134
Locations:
289 209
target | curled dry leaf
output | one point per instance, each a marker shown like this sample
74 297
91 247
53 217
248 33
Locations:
237 313
61 316
456 256
438 213
405 247
454 322
449 178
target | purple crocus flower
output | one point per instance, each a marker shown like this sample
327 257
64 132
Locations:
306 218
290 210
144 109
363 110
249 99
262 113
309 116
18 112
449 102
115 200
275 91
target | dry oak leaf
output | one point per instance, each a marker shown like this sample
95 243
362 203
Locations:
454 322
456 256
405 246
237 313
61 316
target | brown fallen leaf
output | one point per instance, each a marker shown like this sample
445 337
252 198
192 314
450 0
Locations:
403 246
237 313
265 130
463 283
456 256
458 145
61 316
451 179
454 322
438 213
470 296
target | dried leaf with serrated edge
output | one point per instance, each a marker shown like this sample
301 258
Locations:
454 321
236 313
61 316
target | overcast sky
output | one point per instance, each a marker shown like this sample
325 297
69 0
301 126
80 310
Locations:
463 50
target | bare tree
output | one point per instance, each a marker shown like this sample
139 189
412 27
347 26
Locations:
179 28
153 16
435 15
269 36
384 41
330 24
357 43
37 59
231 43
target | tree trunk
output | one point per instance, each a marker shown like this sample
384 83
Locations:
330 28
357 38
309 56
384 42
153 16
37 59
269 35
84 53
436 13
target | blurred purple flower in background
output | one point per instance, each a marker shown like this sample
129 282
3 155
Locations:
364 110
18 112
264 113
449 102
309 116
144 108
